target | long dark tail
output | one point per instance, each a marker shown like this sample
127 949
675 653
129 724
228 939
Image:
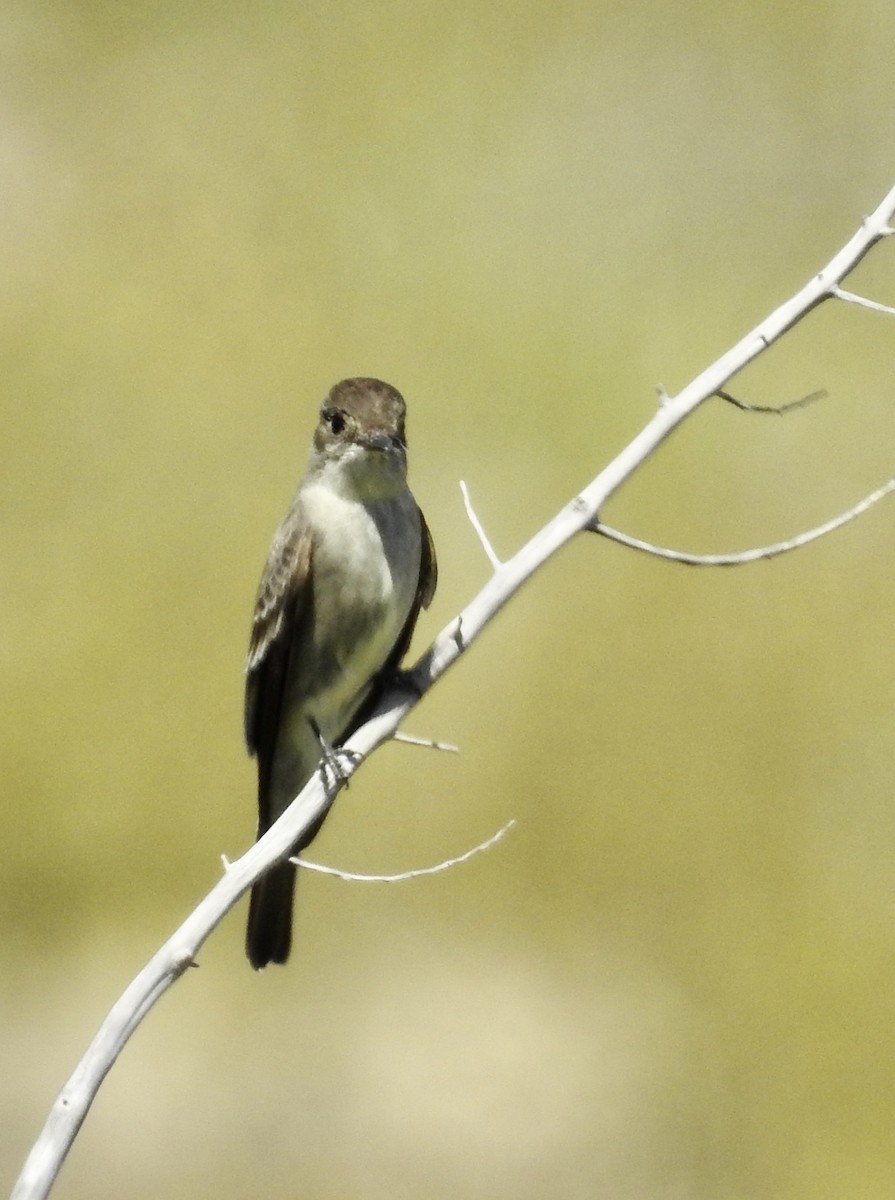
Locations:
269 932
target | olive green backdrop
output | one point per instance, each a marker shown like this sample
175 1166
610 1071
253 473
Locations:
674 980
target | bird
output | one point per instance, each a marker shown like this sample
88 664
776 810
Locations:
349 569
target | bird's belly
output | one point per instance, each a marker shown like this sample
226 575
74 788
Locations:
365 572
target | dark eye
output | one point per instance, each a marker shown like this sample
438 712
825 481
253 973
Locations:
336 421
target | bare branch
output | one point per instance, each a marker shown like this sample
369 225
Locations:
853 298
73 1102
802 402
477 526
416 872
740 557
410 740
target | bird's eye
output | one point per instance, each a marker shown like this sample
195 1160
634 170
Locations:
336 421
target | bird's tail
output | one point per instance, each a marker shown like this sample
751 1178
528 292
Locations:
269 932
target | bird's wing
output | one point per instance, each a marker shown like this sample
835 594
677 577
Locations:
425 590
280 605
428 568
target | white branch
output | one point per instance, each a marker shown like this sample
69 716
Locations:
410 740
415 872
746 556
853 298
478 527
169 963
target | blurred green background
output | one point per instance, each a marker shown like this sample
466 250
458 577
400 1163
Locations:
674 980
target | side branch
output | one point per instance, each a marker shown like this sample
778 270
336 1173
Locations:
863 302
745 556
415 872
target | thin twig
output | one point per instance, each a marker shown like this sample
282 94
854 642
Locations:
477 526
802 402
416 872
410 740
853 298
745 556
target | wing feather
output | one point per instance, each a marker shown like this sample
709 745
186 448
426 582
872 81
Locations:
282 596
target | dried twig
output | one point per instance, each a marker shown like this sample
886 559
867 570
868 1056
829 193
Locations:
738 558
415 872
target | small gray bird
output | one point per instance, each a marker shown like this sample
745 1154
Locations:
349 569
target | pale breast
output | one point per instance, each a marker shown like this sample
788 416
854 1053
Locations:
365 569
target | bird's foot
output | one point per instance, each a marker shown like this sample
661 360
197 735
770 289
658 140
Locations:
333 760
